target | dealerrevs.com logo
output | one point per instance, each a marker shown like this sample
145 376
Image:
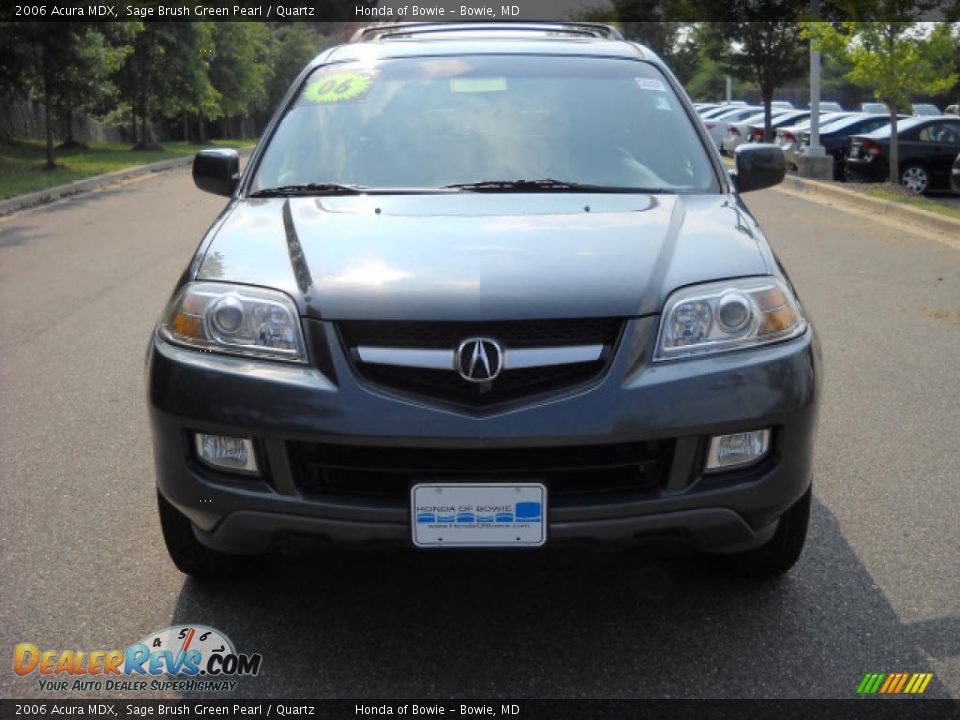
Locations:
178 658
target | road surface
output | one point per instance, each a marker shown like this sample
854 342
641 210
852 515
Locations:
877 590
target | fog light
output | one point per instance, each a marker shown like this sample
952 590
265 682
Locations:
227 453
728 451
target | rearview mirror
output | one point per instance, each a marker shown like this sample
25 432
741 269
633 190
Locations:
759 166
217 171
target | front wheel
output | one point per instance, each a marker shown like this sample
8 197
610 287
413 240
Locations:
193 557
782 551
915 179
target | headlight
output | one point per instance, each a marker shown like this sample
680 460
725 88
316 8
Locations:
728 315
235 319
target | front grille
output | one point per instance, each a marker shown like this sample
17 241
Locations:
447 386
572 474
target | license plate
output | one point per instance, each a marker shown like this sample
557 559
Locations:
479 514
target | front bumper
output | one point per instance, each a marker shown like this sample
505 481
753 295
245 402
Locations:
675 406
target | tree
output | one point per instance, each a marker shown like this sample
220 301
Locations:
767 54
189 92
645 22
896 59
240 68
67 66
85 83
142 79
293 47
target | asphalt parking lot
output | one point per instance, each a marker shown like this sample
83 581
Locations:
877 590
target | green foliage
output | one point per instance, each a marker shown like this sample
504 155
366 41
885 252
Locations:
293 46
768 54
709 79
670 39
241 66
189 56
897 60
67 66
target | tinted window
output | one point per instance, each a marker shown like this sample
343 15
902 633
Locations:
430 122
940 133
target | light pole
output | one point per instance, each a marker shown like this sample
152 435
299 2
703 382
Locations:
812 160
815 149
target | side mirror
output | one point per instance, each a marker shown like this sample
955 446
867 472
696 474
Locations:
759 166
217 171
955 176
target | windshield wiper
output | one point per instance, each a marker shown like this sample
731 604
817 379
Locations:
547 184
327 188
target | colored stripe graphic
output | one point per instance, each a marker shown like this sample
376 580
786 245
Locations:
894 683
903 681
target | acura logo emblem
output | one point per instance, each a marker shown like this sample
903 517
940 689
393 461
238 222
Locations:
479 359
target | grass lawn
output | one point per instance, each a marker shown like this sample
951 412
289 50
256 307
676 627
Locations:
918 201
21 162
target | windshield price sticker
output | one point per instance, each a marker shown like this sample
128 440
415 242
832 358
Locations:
338 87
650 84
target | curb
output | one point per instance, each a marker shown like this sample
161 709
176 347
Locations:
58 192
888 208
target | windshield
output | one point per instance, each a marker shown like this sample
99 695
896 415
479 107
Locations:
431 122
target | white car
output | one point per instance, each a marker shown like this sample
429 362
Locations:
737 131
718 124
829 106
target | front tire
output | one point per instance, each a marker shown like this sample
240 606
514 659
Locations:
915 179
192 557
782 551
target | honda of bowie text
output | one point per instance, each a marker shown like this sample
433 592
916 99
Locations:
484 286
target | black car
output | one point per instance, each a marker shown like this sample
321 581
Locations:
955 176
926 148
479 289
835 137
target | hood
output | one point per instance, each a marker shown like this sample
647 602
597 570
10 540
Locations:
474 256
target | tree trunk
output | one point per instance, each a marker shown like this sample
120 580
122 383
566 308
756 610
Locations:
69 141
48 115
892 107
185 122
201 129
894 149
767 114
133 125
144 125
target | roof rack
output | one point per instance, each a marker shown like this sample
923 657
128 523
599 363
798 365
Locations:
383 31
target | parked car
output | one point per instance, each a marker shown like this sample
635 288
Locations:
715 111
829 106
721 110
952 110
399 319
873 108
756 130
926 149
717 126
703 107
782 104
737 132
955 176
926 110
789 137
835 137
